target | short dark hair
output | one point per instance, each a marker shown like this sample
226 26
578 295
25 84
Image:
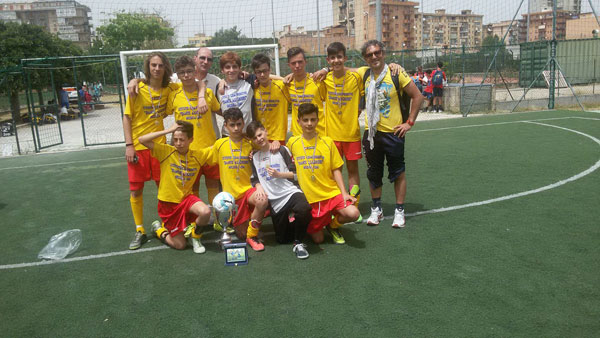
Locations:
168 70
440 64
252 128
295 51
336 47
307 108
184 61
233 114
260 59
363 49
186 128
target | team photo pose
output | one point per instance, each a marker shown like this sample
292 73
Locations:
232 155
386 125
276 174
234 92
177 205
144 113
183 103
318 164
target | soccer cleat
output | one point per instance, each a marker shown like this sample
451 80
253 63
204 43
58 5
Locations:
138 240
255 244
156 225
300 250
218 228
399 221
337 235
197 245
375 217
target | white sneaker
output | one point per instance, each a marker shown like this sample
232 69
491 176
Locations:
399 221
198 247
300 251
375 217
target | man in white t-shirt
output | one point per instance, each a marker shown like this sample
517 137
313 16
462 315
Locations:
275 173
234 92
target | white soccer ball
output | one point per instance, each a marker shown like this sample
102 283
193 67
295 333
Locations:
223 202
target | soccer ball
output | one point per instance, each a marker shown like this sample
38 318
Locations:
223 202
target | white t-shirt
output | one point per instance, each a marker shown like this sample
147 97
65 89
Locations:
279 190
238 95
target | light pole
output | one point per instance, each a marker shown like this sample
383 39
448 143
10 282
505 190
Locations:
103 78
251 30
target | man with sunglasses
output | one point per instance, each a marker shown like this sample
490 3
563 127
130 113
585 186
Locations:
386 127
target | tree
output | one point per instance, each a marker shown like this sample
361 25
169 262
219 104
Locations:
233 37
21 41
131 31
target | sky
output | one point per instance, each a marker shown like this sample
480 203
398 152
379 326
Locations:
197 16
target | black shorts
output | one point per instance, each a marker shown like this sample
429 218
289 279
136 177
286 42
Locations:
438 92
286 231
386 146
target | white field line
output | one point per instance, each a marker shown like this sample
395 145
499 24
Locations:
432 211
63 163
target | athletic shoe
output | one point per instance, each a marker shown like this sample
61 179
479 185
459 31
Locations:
156 225
300 251
376 216
198 247
138 240
218 228
255 244
399 221
337 235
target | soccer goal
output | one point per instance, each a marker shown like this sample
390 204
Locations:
132 61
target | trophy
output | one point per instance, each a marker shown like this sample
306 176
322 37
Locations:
224 208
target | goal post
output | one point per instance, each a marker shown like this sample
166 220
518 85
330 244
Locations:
124 55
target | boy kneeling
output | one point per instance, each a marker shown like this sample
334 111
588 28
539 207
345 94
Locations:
177 205
318 164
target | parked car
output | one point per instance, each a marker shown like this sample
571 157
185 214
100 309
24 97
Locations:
72 92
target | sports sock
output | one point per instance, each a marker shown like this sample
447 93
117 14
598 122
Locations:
162 232
377 203
253 227
198 230
137 209
400 206
335 223
212 192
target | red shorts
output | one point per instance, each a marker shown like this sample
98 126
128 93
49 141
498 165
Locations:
146 168
350 150
177 216
209 171
245 210
322 212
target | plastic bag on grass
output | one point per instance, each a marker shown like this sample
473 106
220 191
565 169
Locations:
61 245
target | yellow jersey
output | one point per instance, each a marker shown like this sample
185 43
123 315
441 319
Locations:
185 104
235 168
315 161
306 91
147 111
342 99
389 106
177 172
272 104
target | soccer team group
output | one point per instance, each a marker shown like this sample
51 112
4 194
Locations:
298 182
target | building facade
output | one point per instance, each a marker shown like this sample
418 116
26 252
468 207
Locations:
68 19
537 6
199 40
582 27
444 30
312 42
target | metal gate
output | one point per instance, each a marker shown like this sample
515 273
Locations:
101 105
43 109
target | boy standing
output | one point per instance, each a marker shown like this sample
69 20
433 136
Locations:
318 165
437 78
275 172
183 103
235 92
177 205
303 89
232 155
272 100
342 91
144 114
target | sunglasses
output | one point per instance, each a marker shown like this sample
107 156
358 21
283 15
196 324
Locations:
376 53
204 58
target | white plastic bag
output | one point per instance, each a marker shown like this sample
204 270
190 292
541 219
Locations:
61 245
